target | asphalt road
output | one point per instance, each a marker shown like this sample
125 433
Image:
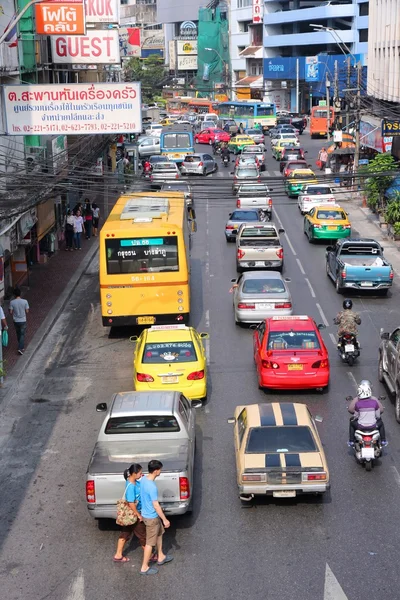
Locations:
341 547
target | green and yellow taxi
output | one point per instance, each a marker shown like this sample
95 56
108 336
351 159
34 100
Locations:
297 180
279 146
239 142
278 451
327 222
171 357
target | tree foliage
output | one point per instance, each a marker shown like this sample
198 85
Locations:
149 71
382 172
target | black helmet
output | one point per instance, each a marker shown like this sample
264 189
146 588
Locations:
347 304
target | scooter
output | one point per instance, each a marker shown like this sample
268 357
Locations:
367 446
348 348
225 161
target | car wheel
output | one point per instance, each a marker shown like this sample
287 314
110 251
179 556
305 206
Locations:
239 269
383 292
324 389
196 140
397 404
204 171
210 142
380 369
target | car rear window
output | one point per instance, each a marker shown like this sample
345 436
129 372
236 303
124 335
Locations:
293 340
302 175
192 158
334 215
244 215
247 173
263 286
296 165
142 424
263 440
315 189
269 232
253 190
177 352
164 167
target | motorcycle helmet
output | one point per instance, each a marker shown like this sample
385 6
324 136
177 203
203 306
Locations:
364 390
347 304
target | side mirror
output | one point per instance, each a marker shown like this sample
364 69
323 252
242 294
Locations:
281 230
232 173
384 335
102 407
204 336
330 248
309 166
382 398
253 326
230 214
305 151
231 421
321 326
318 419
382 248
134 338
271 189
233 280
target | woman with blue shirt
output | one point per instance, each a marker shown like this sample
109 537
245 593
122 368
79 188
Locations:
132 476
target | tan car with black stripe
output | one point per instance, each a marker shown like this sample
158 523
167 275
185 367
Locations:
278 451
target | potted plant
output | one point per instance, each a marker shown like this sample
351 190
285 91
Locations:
393 211
396 231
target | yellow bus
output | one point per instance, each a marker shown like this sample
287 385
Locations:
144 261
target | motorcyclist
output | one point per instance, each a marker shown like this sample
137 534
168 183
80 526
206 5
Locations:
146 166
347 321
215 146
367 412
225 152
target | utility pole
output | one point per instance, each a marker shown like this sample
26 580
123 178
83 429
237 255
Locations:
348 60
297 86
358 118
328 108
336 104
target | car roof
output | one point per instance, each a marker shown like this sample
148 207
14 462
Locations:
261 275
168 333
329 207
146 403
295 322
268 414
304 172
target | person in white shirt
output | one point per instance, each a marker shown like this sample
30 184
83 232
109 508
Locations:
78 223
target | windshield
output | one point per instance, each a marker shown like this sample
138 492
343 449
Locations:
142 424
293 340
176 140
177 352
247 173
142 255
244 215
316 189
269 232
263 286
262 440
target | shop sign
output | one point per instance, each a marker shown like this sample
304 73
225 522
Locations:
25 224
129 42
187 63
84 67
172 55
80 108
188 29
186 47
153 41
53 18
390 127
371 136
311 69
97 46
102 11
57 154
258 11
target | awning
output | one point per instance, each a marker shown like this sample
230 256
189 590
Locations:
254 81
252 52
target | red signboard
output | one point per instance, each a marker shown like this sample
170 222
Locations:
258 11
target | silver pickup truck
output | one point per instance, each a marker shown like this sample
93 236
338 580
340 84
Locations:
139 427
258 247
389 365
255 195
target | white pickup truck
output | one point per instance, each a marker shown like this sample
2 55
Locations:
254 195
139 427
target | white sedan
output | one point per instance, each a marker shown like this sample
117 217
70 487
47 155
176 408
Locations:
313 195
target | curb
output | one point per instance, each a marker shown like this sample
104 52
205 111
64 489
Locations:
10 383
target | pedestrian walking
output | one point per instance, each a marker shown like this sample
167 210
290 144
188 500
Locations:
323 158
78 229
69 230
241 128
88 216
3 319
132 476
19 309
96 218
153 518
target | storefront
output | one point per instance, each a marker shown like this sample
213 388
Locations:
17 236
46 229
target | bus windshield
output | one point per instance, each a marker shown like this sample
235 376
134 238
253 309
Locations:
142 255
176 140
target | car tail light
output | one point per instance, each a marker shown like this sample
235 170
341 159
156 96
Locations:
258 180
90 491
317 226
320 364
240 253
306 198
343 274
284 305
333 199
246 306
196 375
346 226
253 478
229 227
391 275
238 203
200 164
268 364
270 202
144 378
313 476
279 253
184 488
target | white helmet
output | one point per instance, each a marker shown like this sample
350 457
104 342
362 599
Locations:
364 390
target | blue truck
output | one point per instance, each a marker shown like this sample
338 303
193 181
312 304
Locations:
359 264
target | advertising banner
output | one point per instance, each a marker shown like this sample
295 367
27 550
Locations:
258 6
187 63
54 18
311 71
390 127
172 55
186 47
102 11
129 42
96 47
80 108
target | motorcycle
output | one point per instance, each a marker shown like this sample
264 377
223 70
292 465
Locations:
217 149
264 215
348 348
225 160
367 446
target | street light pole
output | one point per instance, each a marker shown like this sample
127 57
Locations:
328 108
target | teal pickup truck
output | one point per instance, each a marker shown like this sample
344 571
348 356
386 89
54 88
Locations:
358 263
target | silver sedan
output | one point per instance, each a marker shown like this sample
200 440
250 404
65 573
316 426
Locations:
198 164
258 295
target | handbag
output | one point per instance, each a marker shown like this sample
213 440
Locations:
125 515
318 163
4 338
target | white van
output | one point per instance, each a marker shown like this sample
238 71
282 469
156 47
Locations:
154 129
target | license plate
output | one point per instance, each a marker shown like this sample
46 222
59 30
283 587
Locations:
295 367
367 453
322 133
145 320
367 284
259 263
265 306
285 494
349 348
332 228
170 379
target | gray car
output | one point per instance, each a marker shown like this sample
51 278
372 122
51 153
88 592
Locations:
259 295
248 173
148 146
180 186
256 134
198 164
162 172
236 219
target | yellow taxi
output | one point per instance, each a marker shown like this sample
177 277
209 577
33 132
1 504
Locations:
297 180
171 357
327 222
166 122
278 451
238 142
277 149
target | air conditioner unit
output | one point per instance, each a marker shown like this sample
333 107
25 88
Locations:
35 158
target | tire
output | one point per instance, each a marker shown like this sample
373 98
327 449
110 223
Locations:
380 368
327 270
339 289
350 361
239 269
196 140
383 292
204 172
210 142
397 404
368 465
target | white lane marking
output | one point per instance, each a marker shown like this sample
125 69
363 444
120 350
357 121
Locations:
332 336
352 379
77 587
300 266
396 475
311 287
276 216
332 589
207 318
207 350
321 312
277 173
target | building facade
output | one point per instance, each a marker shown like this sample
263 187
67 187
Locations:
246 51
384 50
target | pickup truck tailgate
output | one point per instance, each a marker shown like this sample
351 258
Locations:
363 269
257 250
254 201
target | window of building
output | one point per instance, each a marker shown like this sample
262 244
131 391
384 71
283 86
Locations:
363 35
256 68
241 48
146 1
244 26
244 3
364 9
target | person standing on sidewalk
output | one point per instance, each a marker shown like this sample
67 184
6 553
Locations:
19 308
323 158
96 218
154 519
3 319
69 230
88 213
78 228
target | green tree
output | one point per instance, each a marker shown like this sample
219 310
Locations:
150 72
381 172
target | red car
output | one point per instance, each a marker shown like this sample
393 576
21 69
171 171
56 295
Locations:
290 354
292 165
208 136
